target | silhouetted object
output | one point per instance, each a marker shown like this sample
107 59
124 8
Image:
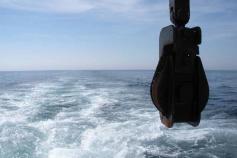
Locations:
179 88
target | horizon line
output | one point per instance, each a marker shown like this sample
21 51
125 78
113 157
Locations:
101 70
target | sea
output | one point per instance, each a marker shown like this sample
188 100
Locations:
108 114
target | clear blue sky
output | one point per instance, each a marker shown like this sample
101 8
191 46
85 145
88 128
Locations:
107 34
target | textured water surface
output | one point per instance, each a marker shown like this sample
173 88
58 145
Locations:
104 114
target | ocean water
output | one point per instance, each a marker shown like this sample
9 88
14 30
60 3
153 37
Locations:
108 114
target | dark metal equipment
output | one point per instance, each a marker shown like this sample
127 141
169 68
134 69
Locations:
179 88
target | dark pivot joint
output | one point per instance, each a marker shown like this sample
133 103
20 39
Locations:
179 88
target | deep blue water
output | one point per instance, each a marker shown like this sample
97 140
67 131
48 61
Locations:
105 114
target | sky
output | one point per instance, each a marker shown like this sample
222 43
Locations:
107 34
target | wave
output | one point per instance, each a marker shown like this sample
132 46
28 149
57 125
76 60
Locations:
77 114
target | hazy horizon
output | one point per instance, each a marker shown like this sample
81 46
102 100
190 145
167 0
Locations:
49 70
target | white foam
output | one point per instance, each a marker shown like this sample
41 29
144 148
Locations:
64 153
81 134
97 100
117 139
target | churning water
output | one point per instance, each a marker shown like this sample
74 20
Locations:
105 114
